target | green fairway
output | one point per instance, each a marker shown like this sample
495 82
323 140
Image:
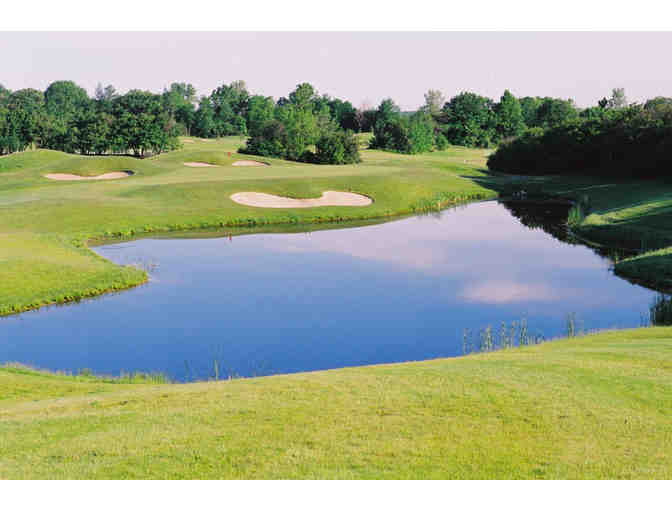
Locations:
45 224
587 407
591 407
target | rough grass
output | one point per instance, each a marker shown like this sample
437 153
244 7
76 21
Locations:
589 407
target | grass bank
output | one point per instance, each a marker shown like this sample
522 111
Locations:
634 215
589 407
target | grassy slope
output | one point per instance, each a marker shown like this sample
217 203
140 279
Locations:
623 214
590 407
44 224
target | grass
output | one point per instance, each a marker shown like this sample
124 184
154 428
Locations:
45 225
595 406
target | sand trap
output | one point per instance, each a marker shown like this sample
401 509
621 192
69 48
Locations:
197 164
73 177
328 198
188 141
249 162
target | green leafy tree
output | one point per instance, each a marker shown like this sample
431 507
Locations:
337 148
260 110
204 119
434 101
420 133
230 103
617 99
65 98
509 113
303 96
529 107
554 112
468 119
387 127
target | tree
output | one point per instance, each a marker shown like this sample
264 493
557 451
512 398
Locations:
179 99
141 124
230 104
529 106
337 148
104 97
618 99
434 101
554 112
510 121
468 119
26 116
65 98
387 114
260 109
303 96
204 119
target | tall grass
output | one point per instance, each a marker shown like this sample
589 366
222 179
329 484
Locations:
660 311
510 335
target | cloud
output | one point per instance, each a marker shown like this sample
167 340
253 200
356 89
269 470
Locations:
504 292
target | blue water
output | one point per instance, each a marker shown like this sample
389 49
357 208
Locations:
276 303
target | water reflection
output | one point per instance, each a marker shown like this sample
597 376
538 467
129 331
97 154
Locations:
271 303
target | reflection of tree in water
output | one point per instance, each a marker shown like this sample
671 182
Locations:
551 217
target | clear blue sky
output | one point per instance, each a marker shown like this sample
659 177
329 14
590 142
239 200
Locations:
358 66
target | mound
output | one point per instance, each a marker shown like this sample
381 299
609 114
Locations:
73 177
197 164
249 162
338 198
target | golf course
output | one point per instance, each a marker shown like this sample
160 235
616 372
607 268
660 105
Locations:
594 406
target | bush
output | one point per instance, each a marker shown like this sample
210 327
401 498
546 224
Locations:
337 148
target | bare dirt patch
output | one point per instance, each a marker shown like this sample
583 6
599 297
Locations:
103 177
249 162
196 164
335 198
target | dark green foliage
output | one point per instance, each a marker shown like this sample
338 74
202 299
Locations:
660 311
409 134
626 142
337 148
293 126
441 142
204 119
260 109
469 119
229 103
509 113
65 98
420 133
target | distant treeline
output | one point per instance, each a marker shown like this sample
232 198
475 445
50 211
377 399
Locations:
535 135
65 118
613 139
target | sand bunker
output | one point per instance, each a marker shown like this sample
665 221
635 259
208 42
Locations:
188 141
73 177
328 198
196 164
249 162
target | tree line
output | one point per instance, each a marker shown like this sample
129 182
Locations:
614 139
65 118
467 119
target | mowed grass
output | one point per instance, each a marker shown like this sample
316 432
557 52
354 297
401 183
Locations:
587 407
45 224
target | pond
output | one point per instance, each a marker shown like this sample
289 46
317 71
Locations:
262 304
